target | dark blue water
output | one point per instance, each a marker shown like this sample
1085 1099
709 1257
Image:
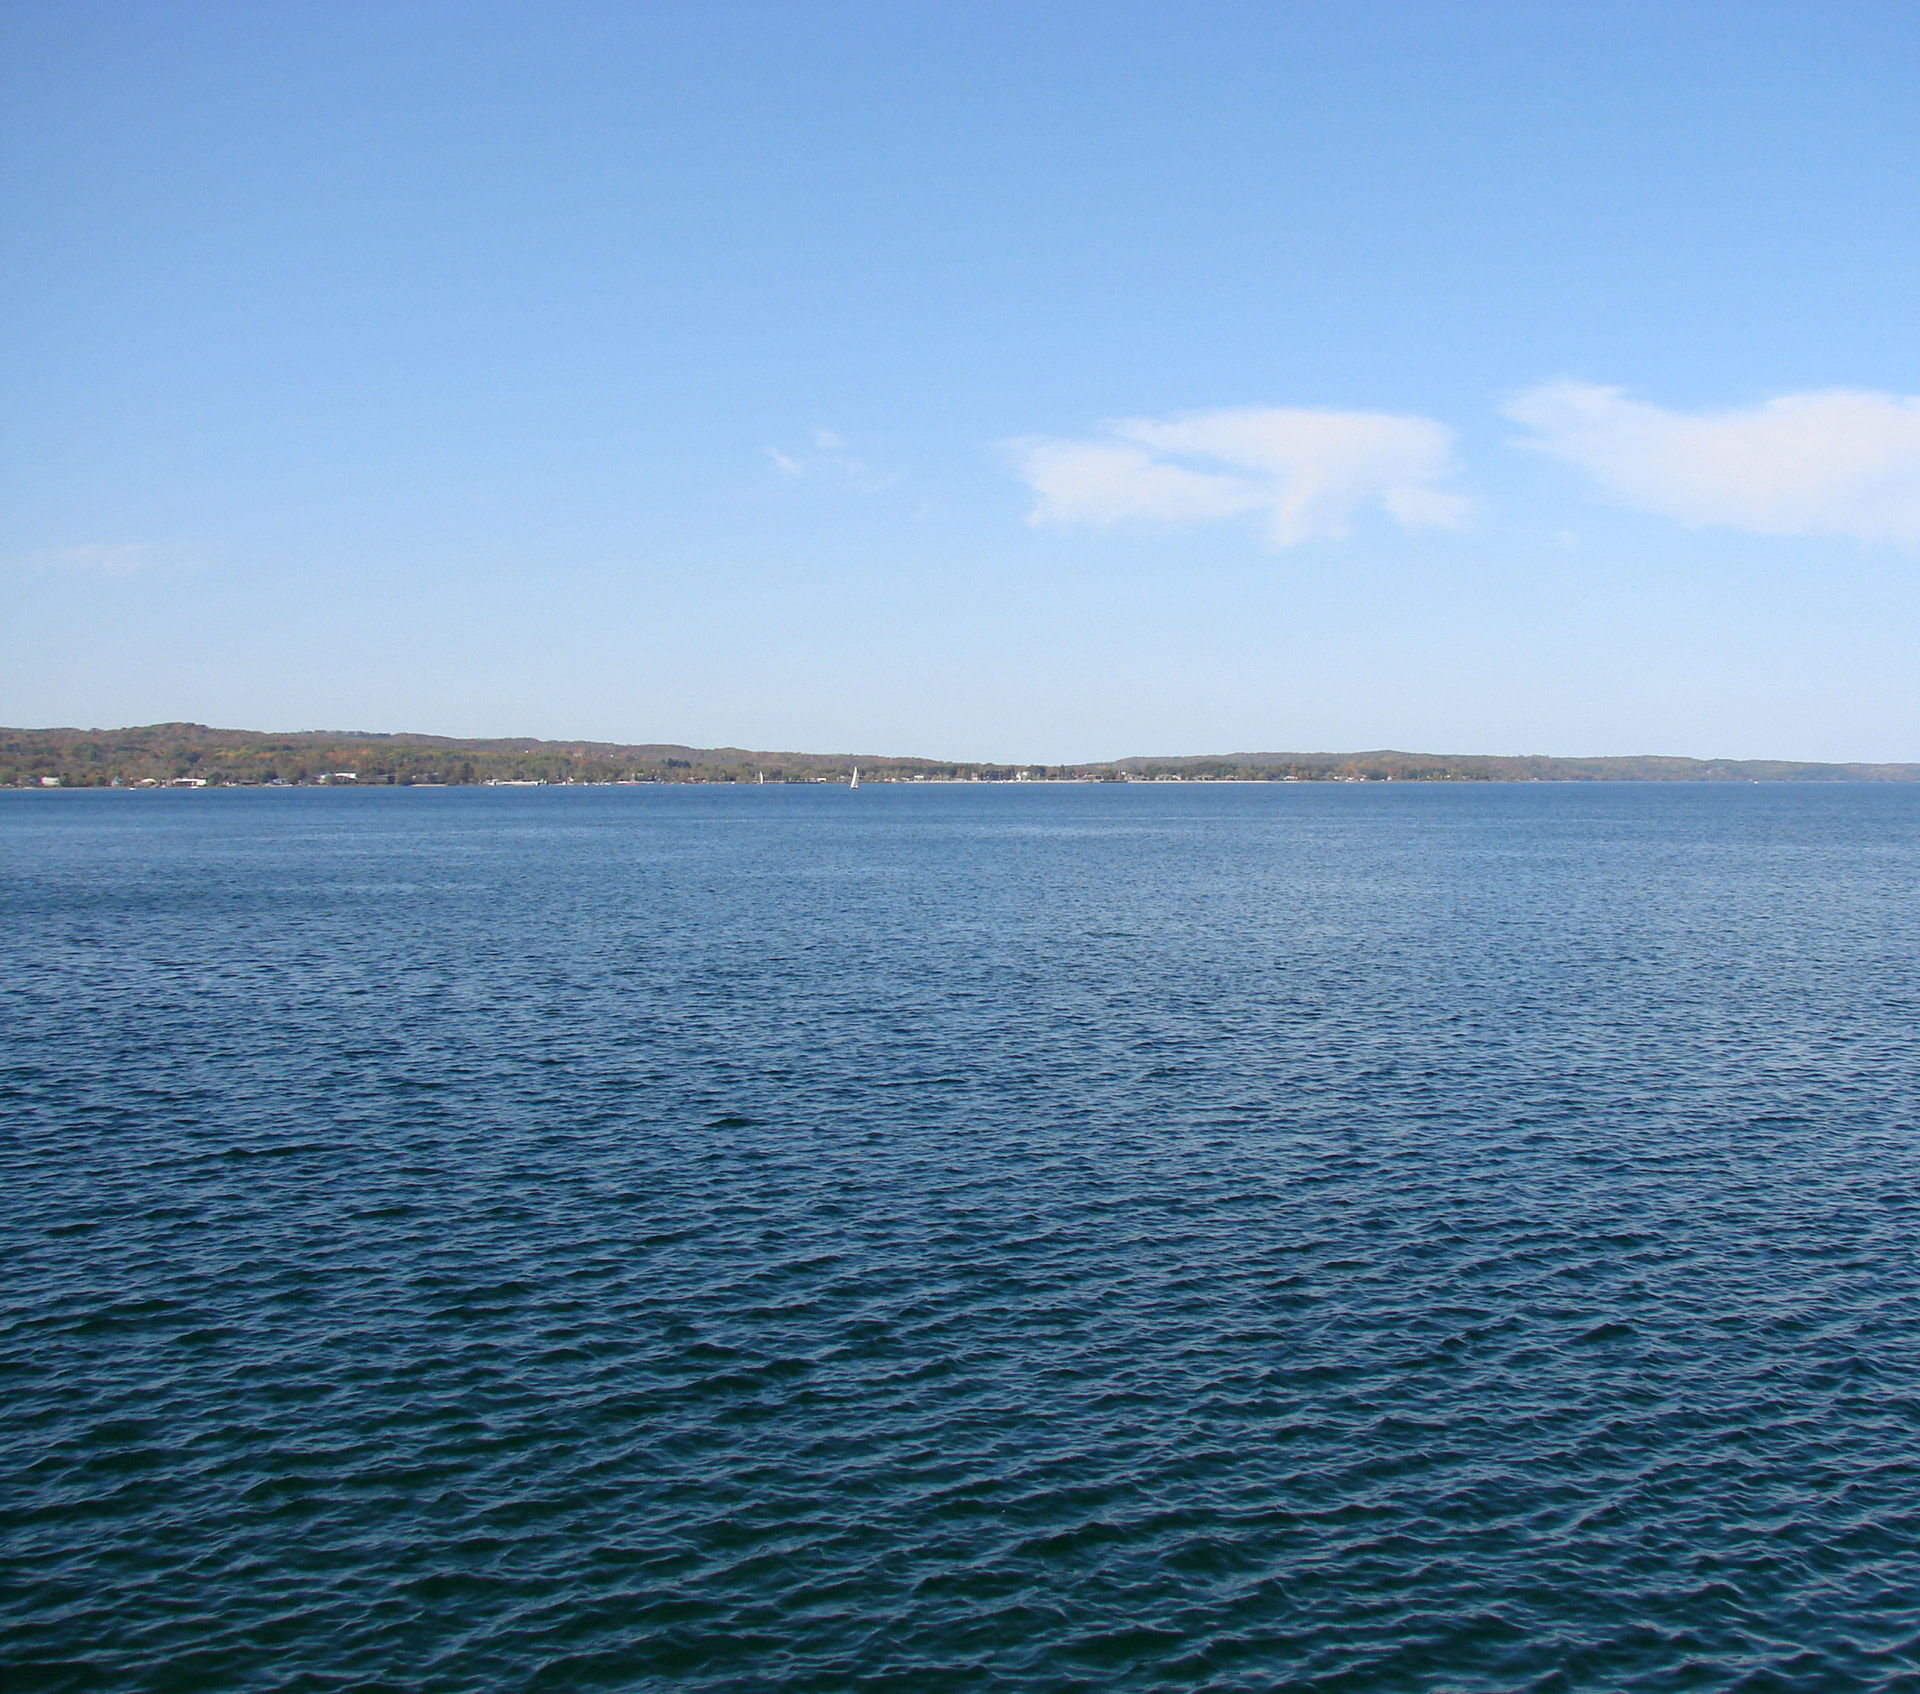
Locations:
1231 1238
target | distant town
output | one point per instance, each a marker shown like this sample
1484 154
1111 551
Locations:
194 756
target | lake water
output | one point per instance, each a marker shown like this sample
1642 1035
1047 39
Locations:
1241 1238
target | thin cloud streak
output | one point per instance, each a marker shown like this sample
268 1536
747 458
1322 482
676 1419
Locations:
831 462
100 558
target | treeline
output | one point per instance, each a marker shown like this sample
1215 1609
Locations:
167 753
1389 766
183 752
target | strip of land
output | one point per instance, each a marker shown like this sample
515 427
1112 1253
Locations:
173 754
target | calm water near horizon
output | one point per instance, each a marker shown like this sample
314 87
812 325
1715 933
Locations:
1454 1238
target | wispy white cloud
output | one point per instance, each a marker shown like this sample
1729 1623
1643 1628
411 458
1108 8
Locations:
113 561
1840 462
102 558
830 461
1306 474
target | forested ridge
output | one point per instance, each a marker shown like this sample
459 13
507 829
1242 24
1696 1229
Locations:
164 754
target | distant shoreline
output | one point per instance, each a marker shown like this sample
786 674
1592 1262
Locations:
195 756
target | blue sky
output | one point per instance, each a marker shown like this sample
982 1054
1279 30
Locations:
1014 381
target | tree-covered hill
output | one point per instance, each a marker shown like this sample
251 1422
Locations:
161 753
186 752
1493 767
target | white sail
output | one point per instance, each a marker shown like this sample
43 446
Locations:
856 778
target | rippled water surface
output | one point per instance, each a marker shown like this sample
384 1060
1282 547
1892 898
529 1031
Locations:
1030 1238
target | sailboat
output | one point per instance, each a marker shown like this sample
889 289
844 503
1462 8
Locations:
856 778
